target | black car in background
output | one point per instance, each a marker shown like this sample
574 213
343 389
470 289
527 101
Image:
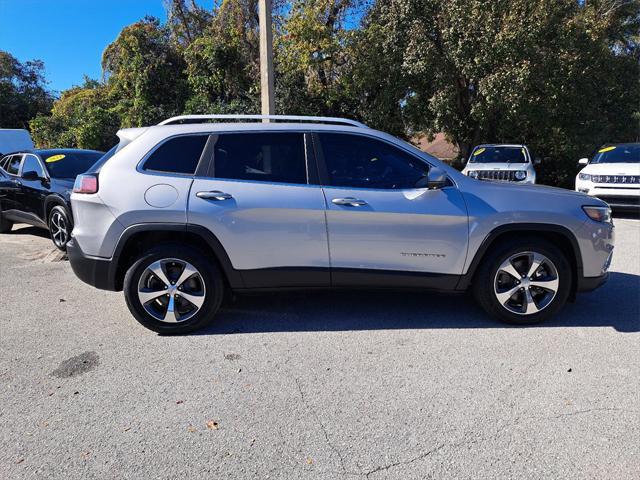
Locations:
35 188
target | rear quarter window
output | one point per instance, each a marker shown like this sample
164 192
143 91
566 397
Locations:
177 155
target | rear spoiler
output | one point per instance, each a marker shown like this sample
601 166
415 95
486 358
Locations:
128 135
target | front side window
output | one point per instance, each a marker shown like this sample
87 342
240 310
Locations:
362 162
13 165
177 155
32 164
264 157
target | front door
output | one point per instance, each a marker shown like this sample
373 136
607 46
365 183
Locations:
258 201
383 227
34 192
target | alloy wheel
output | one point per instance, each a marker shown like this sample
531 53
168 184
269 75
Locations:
59 229
526 283
171 290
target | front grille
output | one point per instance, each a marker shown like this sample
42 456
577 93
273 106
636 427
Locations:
616 179
503 175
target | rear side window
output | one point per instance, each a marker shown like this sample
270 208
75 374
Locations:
14 164
264 157
3 162
177 155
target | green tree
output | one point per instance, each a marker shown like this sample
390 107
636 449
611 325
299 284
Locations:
23 91
145 74
83 117
506 70
314 56
222 62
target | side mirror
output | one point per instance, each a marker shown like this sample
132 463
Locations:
437 178
30 176
583 161
537 161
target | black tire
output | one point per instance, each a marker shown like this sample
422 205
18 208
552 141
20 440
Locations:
60 226
486 279
5 225
209 276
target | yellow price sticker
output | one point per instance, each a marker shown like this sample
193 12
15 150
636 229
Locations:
606 149
479 151
55 158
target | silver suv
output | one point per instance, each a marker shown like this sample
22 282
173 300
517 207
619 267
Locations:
179 213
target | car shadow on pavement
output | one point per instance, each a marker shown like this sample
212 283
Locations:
616 304
30 231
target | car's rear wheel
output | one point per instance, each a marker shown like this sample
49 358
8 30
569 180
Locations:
173 289
523 282
60 227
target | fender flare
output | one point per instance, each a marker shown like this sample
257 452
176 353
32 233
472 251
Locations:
55 200
465 280
233 275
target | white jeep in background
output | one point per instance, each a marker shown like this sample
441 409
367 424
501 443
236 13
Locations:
613 175
504 163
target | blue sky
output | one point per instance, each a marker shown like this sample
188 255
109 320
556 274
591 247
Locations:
69 35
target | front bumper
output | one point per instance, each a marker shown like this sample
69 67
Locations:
617 196
95 271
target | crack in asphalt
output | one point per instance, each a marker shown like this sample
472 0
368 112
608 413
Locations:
405 462
423 455
322 427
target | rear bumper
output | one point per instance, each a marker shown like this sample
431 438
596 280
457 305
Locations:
92 270
588 284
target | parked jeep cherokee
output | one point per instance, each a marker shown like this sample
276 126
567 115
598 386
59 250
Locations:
177 214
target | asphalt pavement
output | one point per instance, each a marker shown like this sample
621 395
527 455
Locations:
315 386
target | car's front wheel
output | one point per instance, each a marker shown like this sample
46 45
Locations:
173 289
523 282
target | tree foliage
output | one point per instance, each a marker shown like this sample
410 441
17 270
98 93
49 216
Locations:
559 75
23 92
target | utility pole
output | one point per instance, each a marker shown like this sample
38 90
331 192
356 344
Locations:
266 58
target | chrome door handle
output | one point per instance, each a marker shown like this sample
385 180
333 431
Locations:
214 195
349 202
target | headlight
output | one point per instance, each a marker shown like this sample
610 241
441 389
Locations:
521 175
598 214
472 174
584 176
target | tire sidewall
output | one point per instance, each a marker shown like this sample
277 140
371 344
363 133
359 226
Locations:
67 218
210 274
484 282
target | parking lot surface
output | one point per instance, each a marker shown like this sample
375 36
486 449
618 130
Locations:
324 385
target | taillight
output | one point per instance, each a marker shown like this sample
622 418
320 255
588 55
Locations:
86 183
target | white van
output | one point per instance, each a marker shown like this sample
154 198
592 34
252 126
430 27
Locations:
12 140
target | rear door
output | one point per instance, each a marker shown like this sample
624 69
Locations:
382 227
257 198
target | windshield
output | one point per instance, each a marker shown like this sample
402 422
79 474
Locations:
618 154
69 164
498 155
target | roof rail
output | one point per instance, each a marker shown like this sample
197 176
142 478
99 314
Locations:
295 118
